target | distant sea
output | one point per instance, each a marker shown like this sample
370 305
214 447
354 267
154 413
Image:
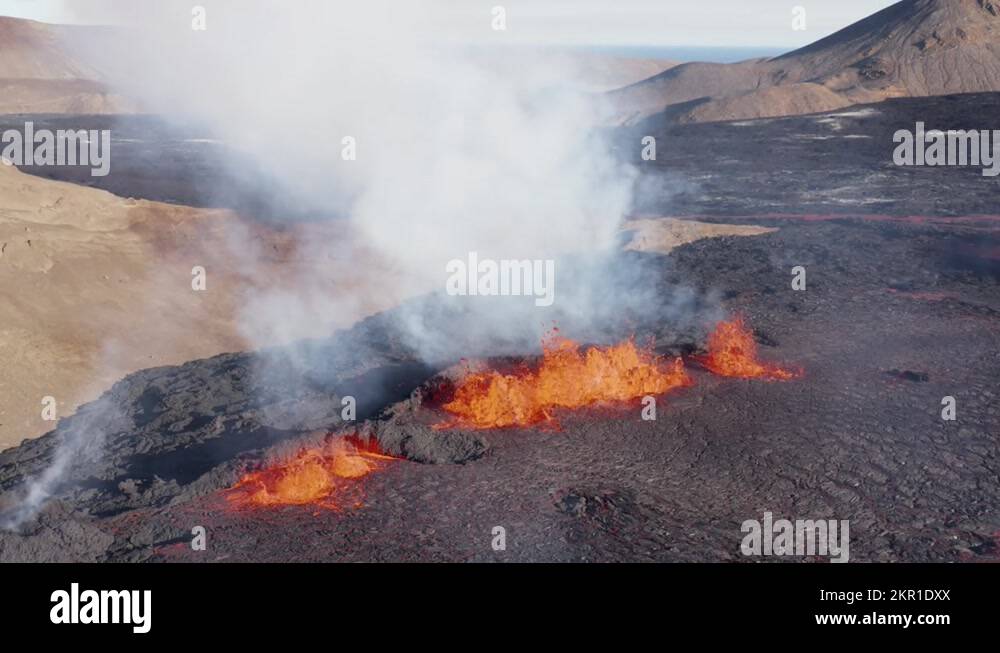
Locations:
685 54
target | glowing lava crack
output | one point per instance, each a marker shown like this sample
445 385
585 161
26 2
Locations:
318 476
732 352
566 378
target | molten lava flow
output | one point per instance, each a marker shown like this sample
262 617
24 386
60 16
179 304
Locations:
566 378
733 352
314 476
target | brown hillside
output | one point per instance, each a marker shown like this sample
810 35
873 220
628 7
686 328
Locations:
913 48
41 72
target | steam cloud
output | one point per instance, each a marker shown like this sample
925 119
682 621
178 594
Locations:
462 144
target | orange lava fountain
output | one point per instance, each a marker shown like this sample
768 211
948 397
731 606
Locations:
733 352
314 476
566 378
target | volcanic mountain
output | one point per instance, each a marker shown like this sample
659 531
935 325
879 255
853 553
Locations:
913 48
41 71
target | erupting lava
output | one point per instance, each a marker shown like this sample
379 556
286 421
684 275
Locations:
566 378
314 476
733 352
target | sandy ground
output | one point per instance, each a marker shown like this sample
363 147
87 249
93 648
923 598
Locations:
664 234
81 304
94 286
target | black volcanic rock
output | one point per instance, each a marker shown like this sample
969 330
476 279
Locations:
157 432
832 163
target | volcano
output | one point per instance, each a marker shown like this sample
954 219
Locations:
700 388
914 48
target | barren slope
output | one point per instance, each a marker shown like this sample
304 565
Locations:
41 70
602 72
913 48
32 50
94 286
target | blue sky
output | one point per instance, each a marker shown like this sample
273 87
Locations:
714 23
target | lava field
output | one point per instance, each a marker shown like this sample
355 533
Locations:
838 163
897 314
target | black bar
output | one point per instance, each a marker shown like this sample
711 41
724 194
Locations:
248 602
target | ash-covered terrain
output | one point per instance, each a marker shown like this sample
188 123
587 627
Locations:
896 316
174 161
838 163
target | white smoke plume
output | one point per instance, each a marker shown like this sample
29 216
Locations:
82 442
462 144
